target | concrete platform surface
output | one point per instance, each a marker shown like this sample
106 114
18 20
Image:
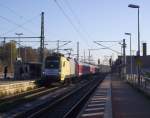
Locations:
6 82
98 106
15 87
128 102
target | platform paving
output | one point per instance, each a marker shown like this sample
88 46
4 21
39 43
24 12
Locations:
99 103
128 102
8 88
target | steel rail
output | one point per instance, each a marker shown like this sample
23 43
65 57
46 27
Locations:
11 97
26 98
59 100
73 112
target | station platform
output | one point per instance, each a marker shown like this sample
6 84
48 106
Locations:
99 104
6 82
11 87
128 102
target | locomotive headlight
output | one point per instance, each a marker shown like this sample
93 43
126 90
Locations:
43 73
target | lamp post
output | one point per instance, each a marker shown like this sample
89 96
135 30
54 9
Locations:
138 52
130 53
19 34
137 6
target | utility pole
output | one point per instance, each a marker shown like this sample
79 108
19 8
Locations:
4 40
124 59
78 51
58 46
4 47
84 56
89 56
42 39
19 34
11 55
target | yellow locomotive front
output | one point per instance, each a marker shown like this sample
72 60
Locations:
64 69
56 68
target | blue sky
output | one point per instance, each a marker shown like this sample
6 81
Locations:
98 20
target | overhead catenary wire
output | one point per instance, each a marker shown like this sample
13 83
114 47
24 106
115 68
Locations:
81 26
11 10
83 29
106 47
18 25
16 14
113 43
12 22
108 41
70 21
77 20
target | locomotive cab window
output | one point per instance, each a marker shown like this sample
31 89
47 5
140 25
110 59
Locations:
52 64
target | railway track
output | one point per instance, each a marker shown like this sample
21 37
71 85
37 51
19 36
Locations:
65 106
13 97
11 102
40 101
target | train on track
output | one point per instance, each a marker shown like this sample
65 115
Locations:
58 68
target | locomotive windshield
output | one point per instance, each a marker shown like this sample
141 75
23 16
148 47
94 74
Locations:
52 64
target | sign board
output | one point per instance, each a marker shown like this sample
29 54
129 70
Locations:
138 60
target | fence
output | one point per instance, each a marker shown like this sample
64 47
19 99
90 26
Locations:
143 84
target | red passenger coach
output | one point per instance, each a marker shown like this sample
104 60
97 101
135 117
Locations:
84 69
79 67
92 69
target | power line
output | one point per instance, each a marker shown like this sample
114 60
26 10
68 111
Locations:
107 41
112 43
69 19
18 26
77 19
14 23
97 42
11 10
83 29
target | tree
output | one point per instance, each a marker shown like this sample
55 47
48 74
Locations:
28 54
8 54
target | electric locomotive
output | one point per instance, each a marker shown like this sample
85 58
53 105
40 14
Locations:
58 68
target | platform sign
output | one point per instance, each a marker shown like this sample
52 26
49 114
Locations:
138 60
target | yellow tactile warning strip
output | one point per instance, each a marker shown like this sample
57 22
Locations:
95 107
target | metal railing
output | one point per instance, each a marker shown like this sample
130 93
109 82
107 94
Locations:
144 82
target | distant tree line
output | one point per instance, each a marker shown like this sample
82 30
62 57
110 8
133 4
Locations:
9 53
